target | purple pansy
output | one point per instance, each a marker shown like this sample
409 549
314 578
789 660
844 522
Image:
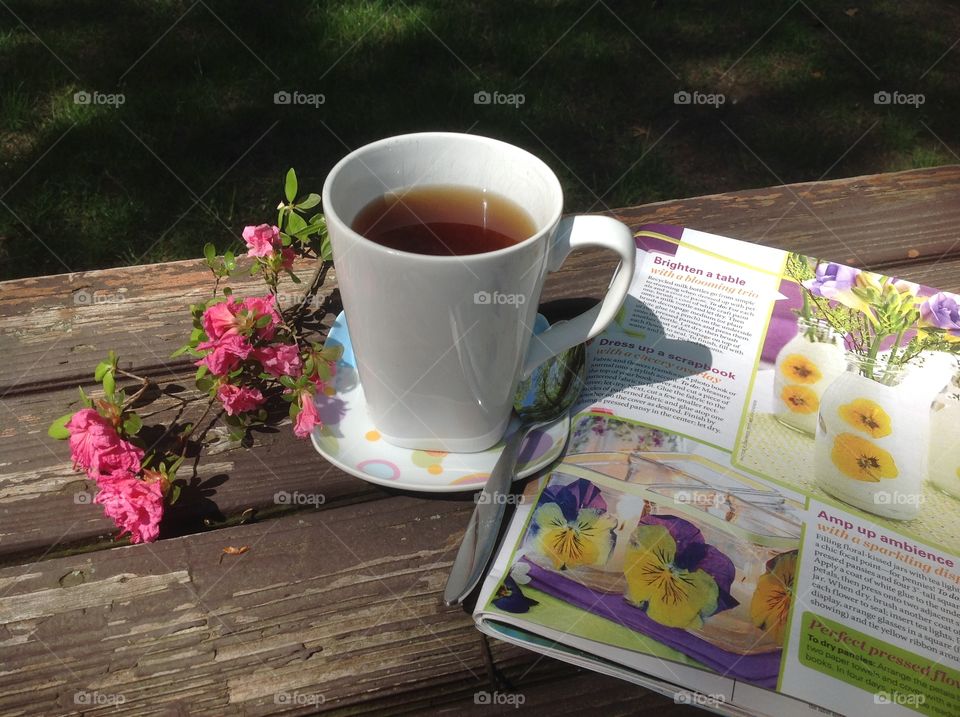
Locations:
510 598
572 497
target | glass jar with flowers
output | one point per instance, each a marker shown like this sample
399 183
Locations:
804 367
871 447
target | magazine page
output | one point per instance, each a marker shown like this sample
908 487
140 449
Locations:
758 501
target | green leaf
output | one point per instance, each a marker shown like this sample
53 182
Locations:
285 239
182 350
109 384
229 260
294 278
209 252
58 429
84 398
323 371
101 369
294 410
201 372
290 185
287 382
296 225
326 249
204 384
227 291
310 202
174 493
132 424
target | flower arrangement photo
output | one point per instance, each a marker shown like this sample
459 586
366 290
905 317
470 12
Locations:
253 355
892 346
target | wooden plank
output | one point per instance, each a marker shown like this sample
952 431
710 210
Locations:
338 612
41 499
869 221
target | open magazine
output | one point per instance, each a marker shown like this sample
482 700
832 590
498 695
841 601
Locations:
758 508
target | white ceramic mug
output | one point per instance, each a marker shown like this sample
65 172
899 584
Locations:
442 341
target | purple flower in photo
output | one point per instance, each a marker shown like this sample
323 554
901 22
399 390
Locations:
510 597
832 280
942 310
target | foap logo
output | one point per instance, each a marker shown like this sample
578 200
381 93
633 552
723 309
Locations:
898 98
83 498
85 297
699 98
896 497
686 697
514 99
500 699
700 499
94 698
98 98
484 498
299 98
486 298
282 497
298 699
905 699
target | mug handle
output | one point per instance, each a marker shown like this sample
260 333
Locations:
574 233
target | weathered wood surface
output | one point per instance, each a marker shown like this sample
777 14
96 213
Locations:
337 609
134 624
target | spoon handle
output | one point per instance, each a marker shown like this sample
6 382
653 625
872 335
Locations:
484 526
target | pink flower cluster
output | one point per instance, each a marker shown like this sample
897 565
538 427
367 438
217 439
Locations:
239 331
263 241
133 504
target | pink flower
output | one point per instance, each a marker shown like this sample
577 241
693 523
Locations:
308 416
258 307
134 505
261 239
220 319
226 353
280 360
96 447
239 399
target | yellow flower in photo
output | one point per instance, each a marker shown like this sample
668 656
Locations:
800 399
673 596
867 416
799 369
771 601
585 540
860 459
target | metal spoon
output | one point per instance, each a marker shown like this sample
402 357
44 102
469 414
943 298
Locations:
540 400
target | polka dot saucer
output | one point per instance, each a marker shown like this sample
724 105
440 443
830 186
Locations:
349 440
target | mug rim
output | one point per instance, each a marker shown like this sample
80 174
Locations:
332 216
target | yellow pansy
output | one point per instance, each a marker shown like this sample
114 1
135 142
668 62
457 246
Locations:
862 460
867 416
585 540
673 596
800 399
799 369
771 601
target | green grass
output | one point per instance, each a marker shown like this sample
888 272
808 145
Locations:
91 186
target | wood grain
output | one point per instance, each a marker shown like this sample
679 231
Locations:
337 610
